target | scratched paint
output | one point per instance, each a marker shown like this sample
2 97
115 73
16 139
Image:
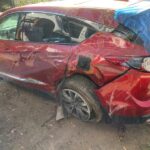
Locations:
47 64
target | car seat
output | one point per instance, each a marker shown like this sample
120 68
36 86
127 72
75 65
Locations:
46 25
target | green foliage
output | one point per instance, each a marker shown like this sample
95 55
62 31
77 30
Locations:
4 4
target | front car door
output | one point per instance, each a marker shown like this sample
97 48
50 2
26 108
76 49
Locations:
8 27
38 53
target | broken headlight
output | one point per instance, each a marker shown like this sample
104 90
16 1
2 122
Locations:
146 64
139 63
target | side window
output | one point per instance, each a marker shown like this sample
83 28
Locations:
81 29
51 28
78 29
8 26
41 27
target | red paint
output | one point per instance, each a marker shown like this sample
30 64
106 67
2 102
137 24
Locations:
123 94
43 62
130 90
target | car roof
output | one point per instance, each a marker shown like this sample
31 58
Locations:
100 11
98 4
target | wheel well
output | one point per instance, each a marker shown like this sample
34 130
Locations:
83 83
74 75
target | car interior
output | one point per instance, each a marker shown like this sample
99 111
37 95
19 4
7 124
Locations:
53 28
48 28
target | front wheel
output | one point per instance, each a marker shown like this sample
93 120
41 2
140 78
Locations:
79 100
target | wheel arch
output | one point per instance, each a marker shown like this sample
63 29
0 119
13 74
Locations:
95 105
62 80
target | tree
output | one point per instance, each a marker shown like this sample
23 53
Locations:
5 4
12 3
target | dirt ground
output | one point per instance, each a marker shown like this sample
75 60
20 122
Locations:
27 122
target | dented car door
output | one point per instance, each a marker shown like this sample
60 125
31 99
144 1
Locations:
30 60
39 64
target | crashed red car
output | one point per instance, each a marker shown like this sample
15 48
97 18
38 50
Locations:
77 50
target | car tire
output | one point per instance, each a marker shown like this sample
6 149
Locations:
78 99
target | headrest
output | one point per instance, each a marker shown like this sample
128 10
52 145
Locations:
47 25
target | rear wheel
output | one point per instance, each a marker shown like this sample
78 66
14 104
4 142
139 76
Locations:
79 100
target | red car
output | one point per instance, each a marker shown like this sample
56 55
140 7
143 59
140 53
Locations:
77 50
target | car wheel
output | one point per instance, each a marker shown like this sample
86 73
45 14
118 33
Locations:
78 99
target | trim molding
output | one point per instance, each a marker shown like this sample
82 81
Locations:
25 80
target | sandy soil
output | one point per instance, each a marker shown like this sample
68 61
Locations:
27 122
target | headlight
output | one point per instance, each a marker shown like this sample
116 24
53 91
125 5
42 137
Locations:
146 64
135 62
139 63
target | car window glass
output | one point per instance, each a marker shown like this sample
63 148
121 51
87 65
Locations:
51 28
81 29
41 27
8 27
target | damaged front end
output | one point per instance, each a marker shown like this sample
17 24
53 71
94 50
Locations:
127 98
119 69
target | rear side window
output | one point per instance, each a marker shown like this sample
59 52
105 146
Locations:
8 27
81 29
